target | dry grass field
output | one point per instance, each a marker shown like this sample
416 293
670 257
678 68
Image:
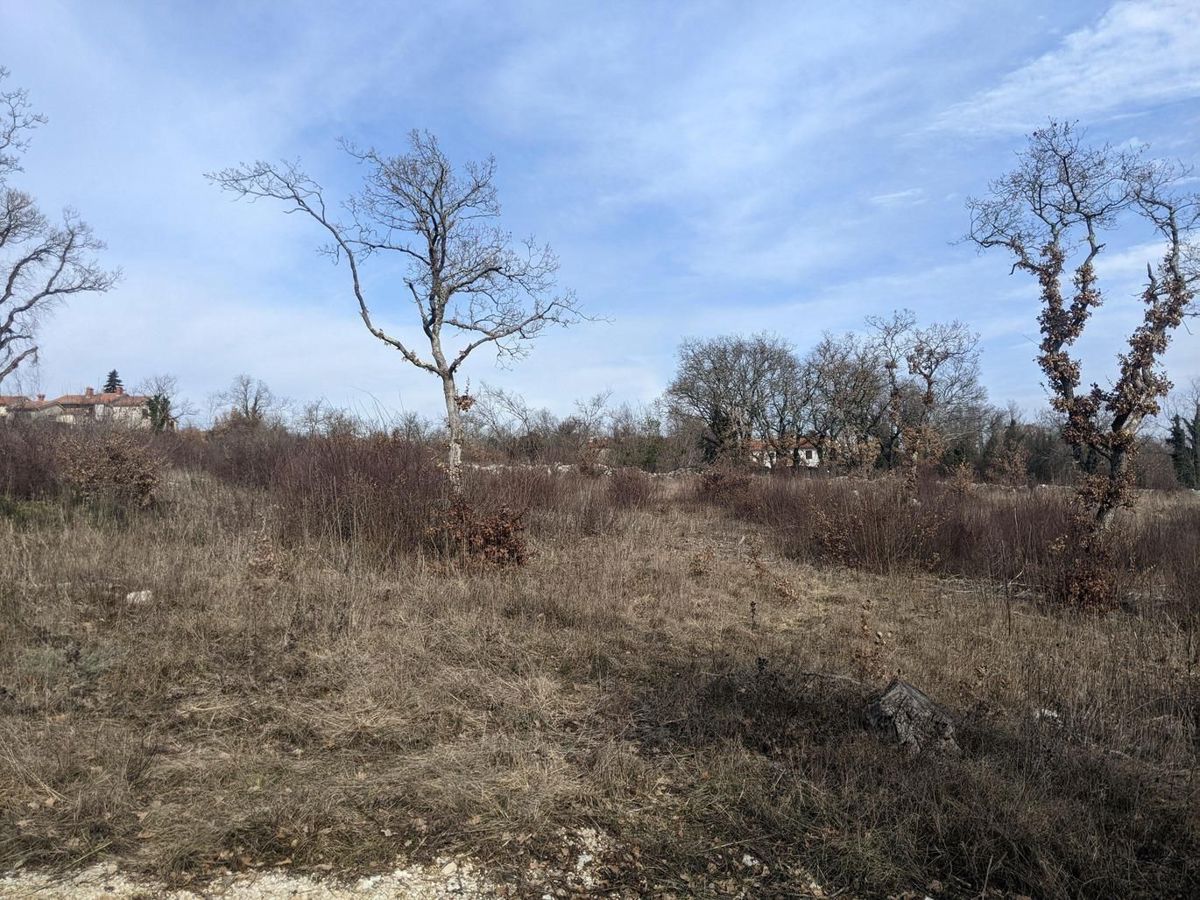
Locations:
676 666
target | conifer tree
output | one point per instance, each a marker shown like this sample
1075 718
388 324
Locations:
1185 448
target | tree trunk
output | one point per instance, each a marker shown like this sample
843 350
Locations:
454 434
1115 490
1192 435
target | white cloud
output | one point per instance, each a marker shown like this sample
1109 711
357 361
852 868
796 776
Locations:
700 169
1139 53
909 197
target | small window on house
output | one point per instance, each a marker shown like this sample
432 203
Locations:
808 454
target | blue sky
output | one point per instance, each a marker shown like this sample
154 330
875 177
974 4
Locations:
701 168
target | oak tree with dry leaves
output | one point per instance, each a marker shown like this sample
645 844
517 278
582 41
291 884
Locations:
1052 213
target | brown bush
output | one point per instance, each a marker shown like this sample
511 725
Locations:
493 538
555 505
1165 547
249 456
113 466
1084 571
517 487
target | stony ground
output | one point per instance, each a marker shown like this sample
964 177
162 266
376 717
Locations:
418 882
445 879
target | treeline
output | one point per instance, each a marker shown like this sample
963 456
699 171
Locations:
895 394
885 398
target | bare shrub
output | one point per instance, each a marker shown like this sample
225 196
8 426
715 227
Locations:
554 505
724 485
28 461
631 489
1033 540
517 487
1165 546
248 456
380 495
876 525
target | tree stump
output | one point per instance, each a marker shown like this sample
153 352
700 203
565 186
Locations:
906 715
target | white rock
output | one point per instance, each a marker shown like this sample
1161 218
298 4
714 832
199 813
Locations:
137 598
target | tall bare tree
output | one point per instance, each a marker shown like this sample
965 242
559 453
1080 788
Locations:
849 398
469 282
932 374
729 383
1051 214
41 263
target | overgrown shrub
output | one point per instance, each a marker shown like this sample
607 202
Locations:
29 460
112 466
516 487
553 504
249 456
380 495
494 538
724 485
386 497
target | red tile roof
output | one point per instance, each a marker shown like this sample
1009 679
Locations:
16 401
102 399
113 398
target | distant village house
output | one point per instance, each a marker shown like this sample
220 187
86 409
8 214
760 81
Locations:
113 407
799 452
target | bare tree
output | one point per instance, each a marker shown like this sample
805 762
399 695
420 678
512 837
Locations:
728 383
932 375
466 277
849 398
322 418
505 420
166 407
1055 206
788 413
893 339
249 403
41 263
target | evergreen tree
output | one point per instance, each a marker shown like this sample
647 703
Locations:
1192 431
159 408
1185 448
720 437
112 383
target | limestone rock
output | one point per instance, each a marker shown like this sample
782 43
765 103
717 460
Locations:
906 715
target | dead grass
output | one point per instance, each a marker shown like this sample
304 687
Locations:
288 699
